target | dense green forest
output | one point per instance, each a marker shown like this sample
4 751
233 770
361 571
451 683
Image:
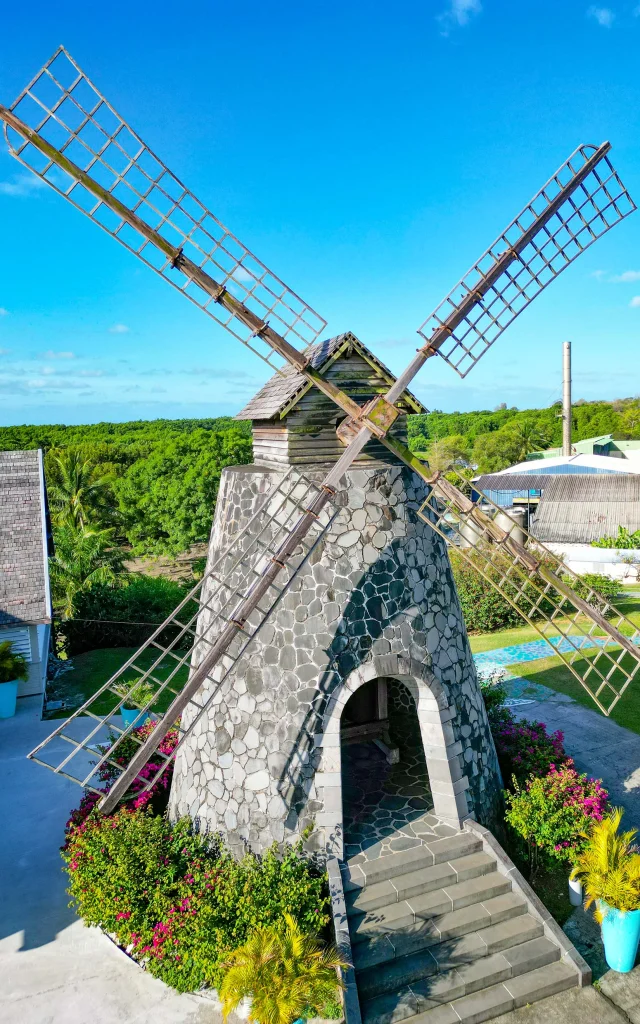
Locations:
152 485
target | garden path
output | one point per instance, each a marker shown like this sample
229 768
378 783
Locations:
53 970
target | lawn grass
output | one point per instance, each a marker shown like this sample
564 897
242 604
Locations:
93 668
625 603
552 672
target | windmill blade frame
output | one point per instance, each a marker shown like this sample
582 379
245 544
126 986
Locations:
548 595
374 420
548 234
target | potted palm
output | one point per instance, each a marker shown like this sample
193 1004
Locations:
609 869
137 695
13 668
287 974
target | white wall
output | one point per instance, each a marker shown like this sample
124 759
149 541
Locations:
583 558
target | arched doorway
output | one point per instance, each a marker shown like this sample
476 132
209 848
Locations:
386 796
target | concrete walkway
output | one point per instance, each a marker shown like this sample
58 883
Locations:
53 970
598 745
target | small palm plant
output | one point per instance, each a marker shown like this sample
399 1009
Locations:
137 694
12 665
284 971
609 866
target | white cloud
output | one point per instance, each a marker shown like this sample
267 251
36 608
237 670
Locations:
119 329
598 274
635 302
50 354
22 185
457 14
628 277
4 351
603 15
92 373
3 311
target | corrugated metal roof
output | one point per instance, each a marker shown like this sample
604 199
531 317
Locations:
578 509
24 577
512 482
282 388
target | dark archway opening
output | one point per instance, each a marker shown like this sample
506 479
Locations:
386 797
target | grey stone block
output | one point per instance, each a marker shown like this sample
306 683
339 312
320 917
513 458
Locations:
481 1006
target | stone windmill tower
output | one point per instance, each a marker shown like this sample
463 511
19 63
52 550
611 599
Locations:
371 618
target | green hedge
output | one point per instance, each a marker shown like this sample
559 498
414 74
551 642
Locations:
122 615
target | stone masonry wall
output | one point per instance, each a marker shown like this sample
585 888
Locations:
376 591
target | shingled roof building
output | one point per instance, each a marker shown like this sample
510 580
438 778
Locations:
25 599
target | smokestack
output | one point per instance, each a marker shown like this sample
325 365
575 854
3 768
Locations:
566 398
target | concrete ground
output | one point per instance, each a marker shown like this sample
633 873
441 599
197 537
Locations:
53 970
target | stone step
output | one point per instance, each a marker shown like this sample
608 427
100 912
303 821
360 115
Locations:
415 913
407 970
439 989
413 883
359 872
491 1002
492 922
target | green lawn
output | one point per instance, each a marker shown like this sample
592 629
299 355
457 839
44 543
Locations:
552 672
626 603
93 668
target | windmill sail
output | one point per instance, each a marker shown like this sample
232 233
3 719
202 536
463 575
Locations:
598 644
542 241
66 110
88 746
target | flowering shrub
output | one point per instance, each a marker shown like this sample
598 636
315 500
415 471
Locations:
159 792
176 901
524 748
553 813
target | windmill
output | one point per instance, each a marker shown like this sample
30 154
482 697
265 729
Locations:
65 131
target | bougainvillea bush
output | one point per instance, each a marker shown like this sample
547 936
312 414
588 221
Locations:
553 814
177 901
525 748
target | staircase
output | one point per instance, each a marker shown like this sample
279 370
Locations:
439 937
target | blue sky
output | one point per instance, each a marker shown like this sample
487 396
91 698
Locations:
367 153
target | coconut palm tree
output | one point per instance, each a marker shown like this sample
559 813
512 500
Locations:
82 557
80 491
284 971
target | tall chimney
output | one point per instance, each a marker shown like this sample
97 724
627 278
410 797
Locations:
566 398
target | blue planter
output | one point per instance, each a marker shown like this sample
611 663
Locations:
129 716
8 695
620 935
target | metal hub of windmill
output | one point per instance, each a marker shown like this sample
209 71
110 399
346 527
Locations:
66 133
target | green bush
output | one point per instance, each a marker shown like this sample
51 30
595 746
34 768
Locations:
484 609
624 539
123 614
178 902
553 813
605 586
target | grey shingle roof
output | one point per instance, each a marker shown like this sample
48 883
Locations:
282 388
24 578
579 508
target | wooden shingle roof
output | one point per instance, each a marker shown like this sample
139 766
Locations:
24 575
283 391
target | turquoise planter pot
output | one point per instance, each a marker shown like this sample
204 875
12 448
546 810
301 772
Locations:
129 716
8 695
620 935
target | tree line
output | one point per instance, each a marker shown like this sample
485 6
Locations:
492 440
